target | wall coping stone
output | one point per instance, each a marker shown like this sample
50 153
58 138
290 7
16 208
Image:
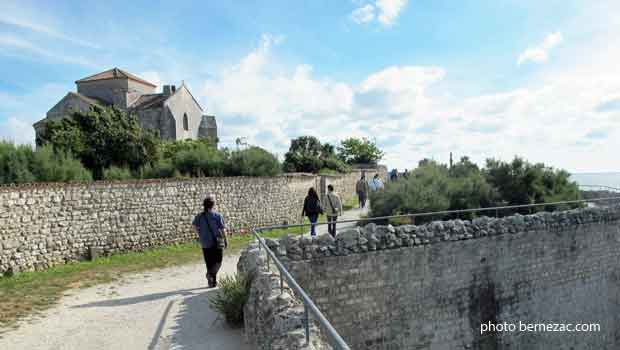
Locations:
374 237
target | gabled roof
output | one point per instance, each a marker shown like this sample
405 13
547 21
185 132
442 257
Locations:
157 100
89 100
115 73
149 101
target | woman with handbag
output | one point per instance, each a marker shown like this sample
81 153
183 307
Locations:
211 231
312 209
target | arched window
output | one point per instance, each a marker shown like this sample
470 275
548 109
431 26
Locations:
185 122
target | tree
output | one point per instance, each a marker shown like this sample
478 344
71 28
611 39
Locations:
520 182
252 161
359 151
307 154
102 137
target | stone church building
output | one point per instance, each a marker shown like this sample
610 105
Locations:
174 113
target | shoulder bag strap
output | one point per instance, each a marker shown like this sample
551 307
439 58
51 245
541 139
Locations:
330 204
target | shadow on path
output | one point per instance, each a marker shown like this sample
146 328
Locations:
140 299
198 327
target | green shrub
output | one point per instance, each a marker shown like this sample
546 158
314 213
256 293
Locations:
231 298
50 166
15 163
253 161
203 160
20 164
116 173
162 169
435 187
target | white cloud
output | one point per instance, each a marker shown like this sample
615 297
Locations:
151 77
34 26
363 14
389 10
384 11
540 53
12 44
553 119
17 131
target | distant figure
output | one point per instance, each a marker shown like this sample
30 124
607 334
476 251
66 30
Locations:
393 174
312 209
376 183
333 208
361 187
406 174
211 231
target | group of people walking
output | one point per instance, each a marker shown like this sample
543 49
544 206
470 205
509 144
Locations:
211 231
363 188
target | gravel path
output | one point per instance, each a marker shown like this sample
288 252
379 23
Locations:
158 310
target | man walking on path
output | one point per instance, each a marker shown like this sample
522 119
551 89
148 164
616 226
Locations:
333 209
211 231
361 187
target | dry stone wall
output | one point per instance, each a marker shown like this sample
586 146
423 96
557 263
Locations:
47 224
274 316
432 286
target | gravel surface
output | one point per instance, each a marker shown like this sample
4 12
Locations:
158 310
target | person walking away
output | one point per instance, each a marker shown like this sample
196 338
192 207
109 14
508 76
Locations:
393 174
376 183
333 209
209 225
312 209
361 187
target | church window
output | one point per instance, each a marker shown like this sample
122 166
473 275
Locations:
185 122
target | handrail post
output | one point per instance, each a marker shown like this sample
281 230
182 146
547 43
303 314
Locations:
281 283
307 323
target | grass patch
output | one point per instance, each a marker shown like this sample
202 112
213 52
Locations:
30 293
352 203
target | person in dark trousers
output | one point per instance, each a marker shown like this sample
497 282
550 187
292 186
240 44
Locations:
211 231
361 187
333 208
312 209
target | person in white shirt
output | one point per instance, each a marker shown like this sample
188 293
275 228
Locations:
376 183
333 208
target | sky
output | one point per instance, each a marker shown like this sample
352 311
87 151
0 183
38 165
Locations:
421 78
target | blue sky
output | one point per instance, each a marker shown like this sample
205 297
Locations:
422 78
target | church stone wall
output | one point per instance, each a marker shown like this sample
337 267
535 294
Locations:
182 102
66 105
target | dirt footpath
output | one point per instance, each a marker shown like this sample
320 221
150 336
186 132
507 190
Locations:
158 310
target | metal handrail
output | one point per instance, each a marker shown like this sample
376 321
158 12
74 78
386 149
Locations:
601 187
310 307
446 212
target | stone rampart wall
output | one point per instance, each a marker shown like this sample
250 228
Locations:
432 286
47 224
